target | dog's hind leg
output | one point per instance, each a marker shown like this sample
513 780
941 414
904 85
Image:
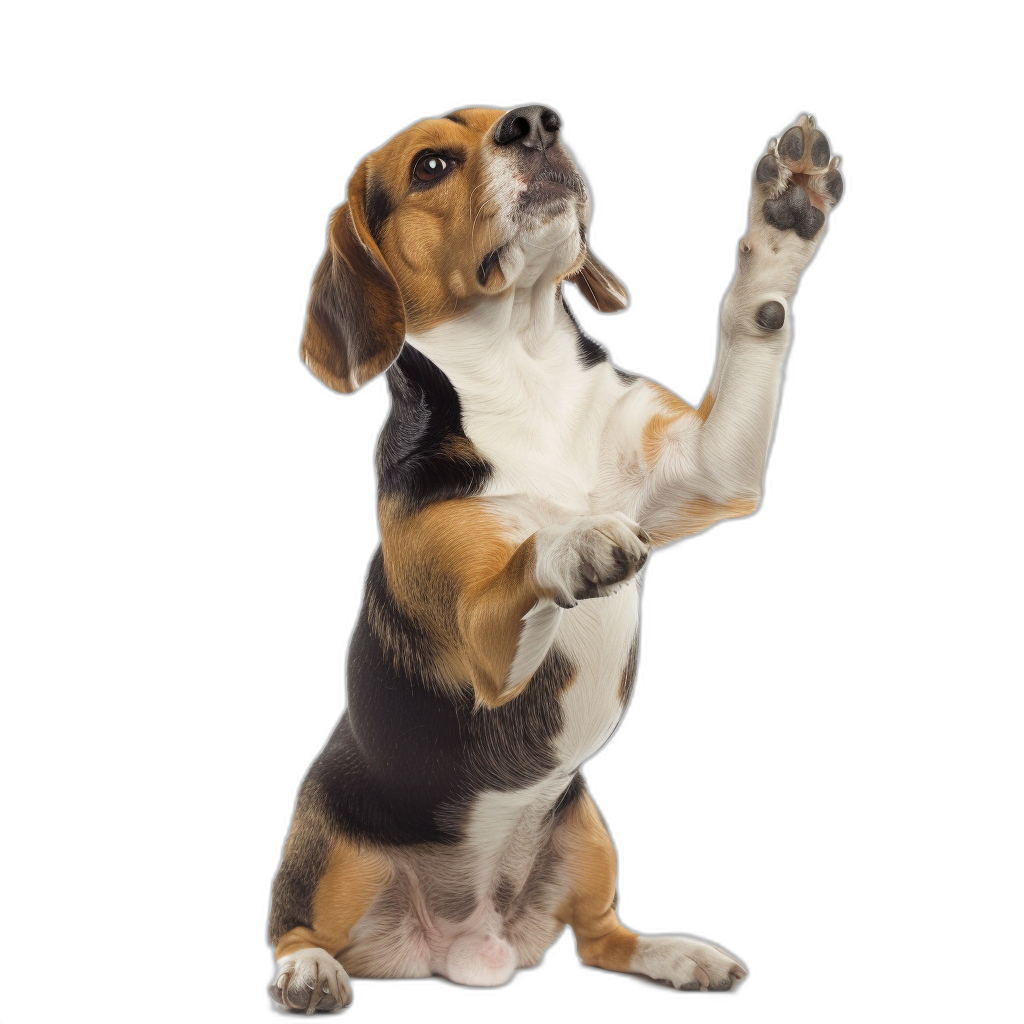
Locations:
586 850
325 885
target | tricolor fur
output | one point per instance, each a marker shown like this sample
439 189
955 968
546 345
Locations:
523 479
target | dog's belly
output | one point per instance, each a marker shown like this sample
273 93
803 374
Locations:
476 911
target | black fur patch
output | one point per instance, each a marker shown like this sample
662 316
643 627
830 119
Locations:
416 459
456 119
590 353
301 870
573 792
407 760
378 208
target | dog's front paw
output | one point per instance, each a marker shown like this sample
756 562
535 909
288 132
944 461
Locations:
798 181
311 980
685 963
593 557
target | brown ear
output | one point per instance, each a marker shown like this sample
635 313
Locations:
600 287
355 326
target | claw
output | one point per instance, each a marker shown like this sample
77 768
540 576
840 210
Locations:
313 1000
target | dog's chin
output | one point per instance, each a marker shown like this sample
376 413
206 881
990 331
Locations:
545 247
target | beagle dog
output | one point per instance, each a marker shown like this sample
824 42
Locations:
445 828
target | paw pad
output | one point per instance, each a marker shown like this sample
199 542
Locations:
771 316
800 180
793 209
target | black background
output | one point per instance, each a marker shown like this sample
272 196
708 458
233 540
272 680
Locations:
727 787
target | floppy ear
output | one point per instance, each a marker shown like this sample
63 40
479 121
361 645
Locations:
355 326
600 287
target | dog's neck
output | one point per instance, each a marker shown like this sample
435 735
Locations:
508 344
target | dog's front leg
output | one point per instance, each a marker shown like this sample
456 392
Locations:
695 467
487 594
324 886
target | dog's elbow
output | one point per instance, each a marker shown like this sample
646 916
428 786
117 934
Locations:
744 504
696 514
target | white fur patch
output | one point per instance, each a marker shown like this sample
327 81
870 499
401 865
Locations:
314 968
480 960
684 963
540 625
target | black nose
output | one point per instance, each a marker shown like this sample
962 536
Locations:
532 127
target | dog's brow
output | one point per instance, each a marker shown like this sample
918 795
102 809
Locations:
456 119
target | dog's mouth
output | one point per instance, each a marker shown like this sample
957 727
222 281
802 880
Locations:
552 186
487 264
551 179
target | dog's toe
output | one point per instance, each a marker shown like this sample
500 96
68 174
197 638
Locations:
311 981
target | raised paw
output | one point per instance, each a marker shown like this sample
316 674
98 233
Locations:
798 181
685 963
592 557
312 981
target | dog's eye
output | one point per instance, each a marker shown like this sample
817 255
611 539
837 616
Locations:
432 166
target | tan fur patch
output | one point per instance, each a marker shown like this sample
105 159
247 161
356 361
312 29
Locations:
698 514
454 573
354 877
435 238
706 406
671 409
589 908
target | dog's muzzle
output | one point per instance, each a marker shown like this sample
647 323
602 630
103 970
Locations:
530 137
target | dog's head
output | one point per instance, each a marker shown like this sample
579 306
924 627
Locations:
453 211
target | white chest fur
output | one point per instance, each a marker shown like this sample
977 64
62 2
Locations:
538 415
530 407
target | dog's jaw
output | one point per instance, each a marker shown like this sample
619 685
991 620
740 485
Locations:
543 205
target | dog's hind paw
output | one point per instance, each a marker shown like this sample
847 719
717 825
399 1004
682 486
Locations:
311 980
592 557
798 181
